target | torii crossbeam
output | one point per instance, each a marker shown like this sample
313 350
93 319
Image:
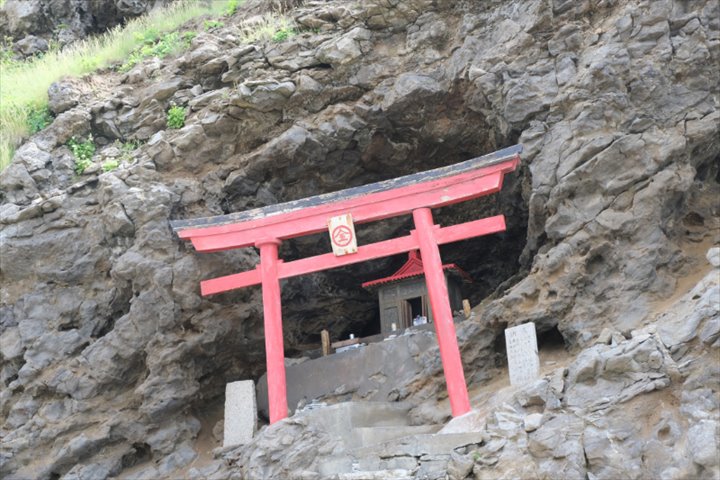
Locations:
416 194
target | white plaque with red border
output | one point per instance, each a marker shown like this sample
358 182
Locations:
342 235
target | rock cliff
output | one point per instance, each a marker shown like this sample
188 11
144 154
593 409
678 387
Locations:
109 356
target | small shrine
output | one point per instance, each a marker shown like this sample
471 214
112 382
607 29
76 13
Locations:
416 194
403 296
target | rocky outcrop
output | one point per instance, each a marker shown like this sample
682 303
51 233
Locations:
633 409
109 352
624 408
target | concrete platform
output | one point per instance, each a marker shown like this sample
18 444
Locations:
371 372
363 423
360 424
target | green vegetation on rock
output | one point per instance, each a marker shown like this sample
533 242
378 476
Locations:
38 117
25 83
212 24
83 153
110 165
7 57
153 44
128 147
269 27
283 34
231 7
176 117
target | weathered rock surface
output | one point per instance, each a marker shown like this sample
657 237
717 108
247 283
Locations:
109 354
627 410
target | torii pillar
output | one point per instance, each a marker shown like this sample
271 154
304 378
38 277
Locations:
442 314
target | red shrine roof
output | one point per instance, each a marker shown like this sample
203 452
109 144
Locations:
414 268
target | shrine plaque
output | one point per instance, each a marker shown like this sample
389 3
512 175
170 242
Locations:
522 353
342 235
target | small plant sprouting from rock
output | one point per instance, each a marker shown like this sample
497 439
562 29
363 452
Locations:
123 154
38 117
231 7
283 34
7 56
213 24
127 149
110 165
83 153
81 166
176 117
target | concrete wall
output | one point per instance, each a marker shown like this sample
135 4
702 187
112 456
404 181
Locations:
371 372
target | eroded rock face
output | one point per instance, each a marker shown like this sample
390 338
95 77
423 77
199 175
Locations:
109 352
623 408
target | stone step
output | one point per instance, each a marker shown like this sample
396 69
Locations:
367 436
421 456
394 474
372 462
340 465
420 445
342 418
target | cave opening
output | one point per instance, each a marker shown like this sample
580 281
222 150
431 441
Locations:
431 133
335 301
139 453
551 345
551 340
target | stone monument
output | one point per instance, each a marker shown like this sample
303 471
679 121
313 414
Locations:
522 353
240 413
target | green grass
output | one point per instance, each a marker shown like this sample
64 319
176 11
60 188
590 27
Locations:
212 24
155 45
128 147
231 7
25 84
127 151
269 27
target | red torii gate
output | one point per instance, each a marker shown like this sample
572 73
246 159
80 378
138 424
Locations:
418 193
